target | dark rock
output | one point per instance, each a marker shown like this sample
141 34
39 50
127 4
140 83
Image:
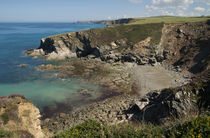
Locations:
157 108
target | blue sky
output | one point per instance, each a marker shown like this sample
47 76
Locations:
81 10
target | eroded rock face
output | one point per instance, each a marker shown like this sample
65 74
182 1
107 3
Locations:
160 107
177 40
17 114
187 46
105 44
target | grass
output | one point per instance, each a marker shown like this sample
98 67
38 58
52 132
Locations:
199 127
9 114
196 127
5 118
130 33
134 33
15 134
5 134
168 19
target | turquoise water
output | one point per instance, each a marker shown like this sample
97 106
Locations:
42 88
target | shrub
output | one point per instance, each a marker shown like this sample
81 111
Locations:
5 118
89 128
5 134
198 127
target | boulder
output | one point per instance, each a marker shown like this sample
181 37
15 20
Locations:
158 107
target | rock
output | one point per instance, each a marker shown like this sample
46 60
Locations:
152 61
166 54
159 58
113 45
159 107
35 57
46 120
141 104
22 116
35 52
62 115
23 65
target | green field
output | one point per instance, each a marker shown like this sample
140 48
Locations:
168 19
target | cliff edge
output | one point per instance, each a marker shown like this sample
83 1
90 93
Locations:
20 117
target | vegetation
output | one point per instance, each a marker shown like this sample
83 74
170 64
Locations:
15 134
5 118
9 114
168 19
133 33
197 127
130 34
5 134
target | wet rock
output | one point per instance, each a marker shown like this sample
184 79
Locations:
23 65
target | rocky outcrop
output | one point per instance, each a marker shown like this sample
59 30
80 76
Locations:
187 46
121 43
161 106
115 22
20 117
142 44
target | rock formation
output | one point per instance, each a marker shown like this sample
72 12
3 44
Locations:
142 44
20 116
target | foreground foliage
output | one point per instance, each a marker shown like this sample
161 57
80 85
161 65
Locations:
5 134
197 127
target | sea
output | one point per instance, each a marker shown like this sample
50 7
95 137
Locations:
43 89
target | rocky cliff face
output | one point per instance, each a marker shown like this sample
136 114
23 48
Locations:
115 22
132 43
187 45
161 106
180 44
20 117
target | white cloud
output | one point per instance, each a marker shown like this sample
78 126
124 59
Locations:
176 7
181 4
204 1
173 7
135 1
200 9
151 7
160 10
125 16
109 17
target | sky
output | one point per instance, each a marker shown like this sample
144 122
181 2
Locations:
85 10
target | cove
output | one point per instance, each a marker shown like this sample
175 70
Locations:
42 88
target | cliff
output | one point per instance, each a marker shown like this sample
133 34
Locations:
121 43
142 44
19 117
114 22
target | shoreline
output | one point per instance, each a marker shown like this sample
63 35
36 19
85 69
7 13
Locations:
111 106
153 66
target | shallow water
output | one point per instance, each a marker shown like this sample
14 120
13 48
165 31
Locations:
42 88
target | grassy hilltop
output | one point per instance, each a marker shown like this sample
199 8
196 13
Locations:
167 19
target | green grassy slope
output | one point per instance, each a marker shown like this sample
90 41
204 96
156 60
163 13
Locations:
168 19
